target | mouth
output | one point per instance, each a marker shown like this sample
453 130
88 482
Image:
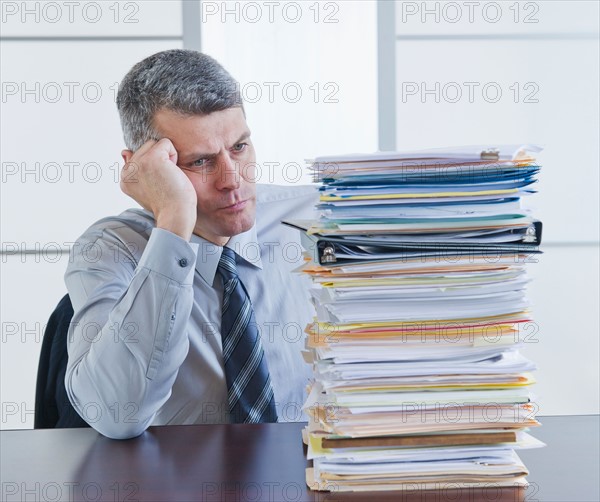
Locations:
237 206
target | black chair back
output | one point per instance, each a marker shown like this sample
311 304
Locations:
53 409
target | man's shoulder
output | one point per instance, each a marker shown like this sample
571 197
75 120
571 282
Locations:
124 226
114 243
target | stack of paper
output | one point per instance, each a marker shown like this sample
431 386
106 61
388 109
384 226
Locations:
418 267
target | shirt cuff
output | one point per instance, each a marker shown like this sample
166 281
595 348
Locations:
170 255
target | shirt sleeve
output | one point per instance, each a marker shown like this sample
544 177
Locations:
128 336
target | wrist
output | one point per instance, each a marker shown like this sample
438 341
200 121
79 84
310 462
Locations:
179 222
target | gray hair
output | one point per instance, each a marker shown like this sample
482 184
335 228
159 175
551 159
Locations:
183 81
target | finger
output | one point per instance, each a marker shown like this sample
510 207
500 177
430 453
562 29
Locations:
145 147
167 146
130 157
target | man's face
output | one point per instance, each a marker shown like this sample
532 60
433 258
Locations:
216 154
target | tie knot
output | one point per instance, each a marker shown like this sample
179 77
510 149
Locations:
227 266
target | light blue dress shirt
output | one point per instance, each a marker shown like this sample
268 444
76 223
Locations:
145 344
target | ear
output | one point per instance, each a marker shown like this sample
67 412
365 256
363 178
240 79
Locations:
126 154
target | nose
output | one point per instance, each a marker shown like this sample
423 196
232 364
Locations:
228 174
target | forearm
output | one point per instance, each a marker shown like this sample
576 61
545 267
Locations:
128 340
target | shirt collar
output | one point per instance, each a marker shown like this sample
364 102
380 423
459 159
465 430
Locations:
245 245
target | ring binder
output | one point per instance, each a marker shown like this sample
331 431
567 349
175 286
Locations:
328 255
329 250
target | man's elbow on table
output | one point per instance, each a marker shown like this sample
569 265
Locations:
108 422
117 430
111 420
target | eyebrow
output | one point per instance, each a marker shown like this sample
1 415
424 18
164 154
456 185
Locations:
194 156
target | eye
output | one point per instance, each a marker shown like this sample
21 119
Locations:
240 147
200 163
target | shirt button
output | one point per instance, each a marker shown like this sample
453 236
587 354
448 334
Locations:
183 262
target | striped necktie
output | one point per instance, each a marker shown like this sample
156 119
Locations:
249 390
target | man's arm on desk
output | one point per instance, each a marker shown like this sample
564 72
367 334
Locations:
128 336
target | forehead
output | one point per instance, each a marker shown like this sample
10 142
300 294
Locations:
208 132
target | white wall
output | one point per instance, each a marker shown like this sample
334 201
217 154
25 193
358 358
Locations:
543 58
60 152
319 60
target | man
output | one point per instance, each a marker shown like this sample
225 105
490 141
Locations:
187 311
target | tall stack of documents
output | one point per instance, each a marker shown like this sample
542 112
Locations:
418 268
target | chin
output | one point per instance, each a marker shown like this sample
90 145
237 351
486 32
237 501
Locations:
239 224
244 226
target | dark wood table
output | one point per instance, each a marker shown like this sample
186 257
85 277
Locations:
253 463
